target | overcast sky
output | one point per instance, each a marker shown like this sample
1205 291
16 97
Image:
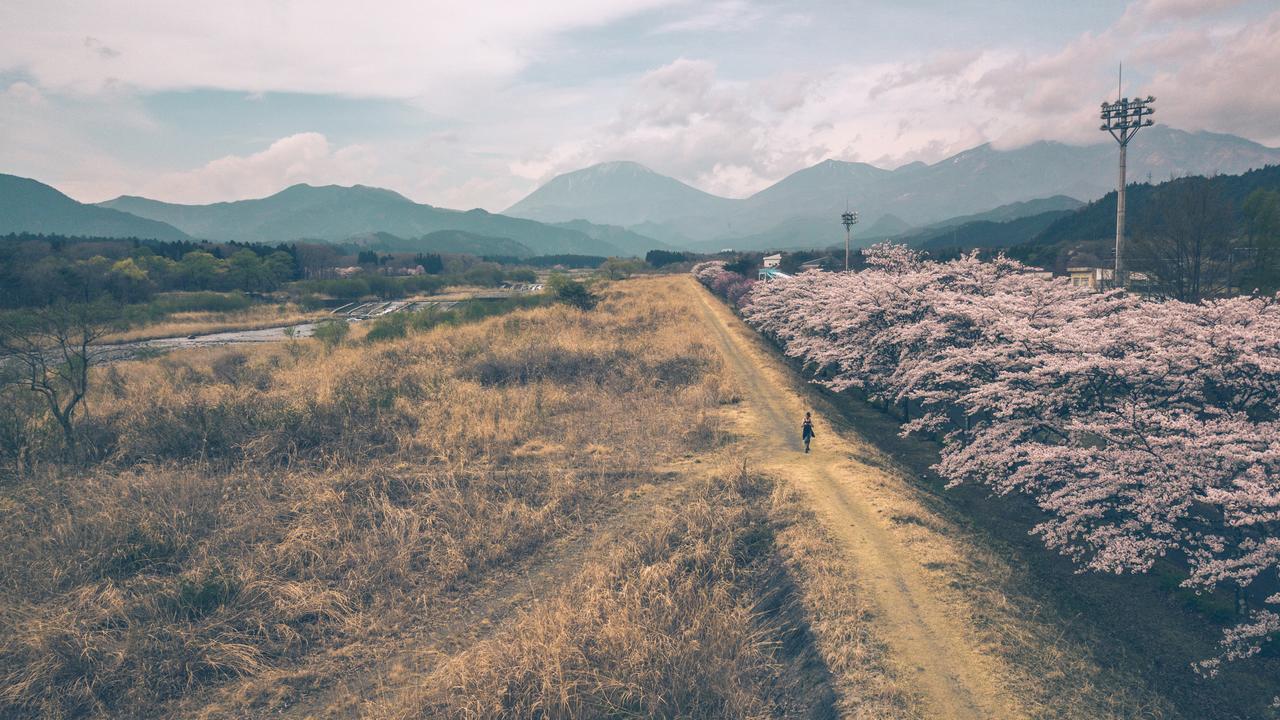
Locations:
473 104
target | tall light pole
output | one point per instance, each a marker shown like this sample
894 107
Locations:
848 219
1123 118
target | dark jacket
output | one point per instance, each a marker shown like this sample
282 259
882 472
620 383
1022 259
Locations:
806 430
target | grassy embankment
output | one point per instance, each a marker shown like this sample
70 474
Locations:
278 527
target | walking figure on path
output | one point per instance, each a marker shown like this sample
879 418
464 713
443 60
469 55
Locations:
806 431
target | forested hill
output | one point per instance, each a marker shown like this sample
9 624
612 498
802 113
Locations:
1098 219
1041 238
989 234
31 206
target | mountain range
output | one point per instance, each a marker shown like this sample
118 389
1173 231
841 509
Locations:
444 242
803 209
332 213
623 208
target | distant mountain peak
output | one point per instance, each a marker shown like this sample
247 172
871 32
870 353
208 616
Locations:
307 190
624 191
617 166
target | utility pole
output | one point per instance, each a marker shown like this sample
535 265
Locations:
848 219
1123 118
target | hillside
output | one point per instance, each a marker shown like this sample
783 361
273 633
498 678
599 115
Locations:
1097 219
632 241
1011 211
456 242
801 232
801 209
989 234
1047 238
30 206
333 213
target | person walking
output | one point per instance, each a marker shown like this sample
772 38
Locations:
806 431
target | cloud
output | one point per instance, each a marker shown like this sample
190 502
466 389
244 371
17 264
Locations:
301 158
1231 86
401 49
1144 13
718 16
509 94
99 49
943 66
734 137
24 93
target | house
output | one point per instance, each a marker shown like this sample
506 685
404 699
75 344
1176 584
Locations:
1094 278
772 261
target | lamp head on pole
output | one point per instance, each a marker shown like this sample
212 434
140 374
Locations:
1124 117
849 219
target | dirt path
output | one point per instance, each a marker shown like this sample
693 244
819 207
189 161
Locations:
860 496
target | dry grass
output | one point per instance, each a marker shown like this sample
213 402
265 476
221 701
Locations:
203 323
701 612
252 508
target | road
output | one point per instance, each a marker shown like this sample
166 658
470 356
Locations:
854 490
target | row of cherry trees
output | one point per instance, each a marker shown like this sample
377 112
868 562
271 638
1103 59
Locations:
1142 429
727 284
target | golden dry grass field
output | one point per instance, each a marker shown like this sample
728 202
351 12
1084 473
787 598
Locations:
538 514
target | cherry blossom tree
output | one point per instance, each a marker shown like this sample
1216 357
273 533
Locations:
1142 429
729 285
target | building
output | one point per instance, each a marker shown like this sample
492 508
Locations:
770 273
1094 278
826 262
772 261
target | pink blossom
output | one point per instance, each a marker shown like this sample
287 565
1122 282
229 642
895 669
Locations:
1141 428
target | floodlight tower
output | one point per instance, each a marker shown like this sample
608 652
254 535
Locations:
1123 118
848 219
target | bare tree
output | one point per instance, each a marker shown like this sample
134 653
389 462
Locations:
1183 241
49 351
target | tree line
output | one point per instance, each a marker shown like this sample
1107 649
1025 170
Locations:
1190 238
38 270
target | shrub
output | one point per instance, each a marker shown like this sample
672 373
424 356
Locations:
331 333
576 294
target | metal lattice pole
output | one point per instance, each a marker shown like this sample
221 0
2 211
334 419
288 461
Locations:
1123 118
848 219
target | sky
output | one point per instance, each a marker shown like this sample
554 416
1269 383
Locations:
475 104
